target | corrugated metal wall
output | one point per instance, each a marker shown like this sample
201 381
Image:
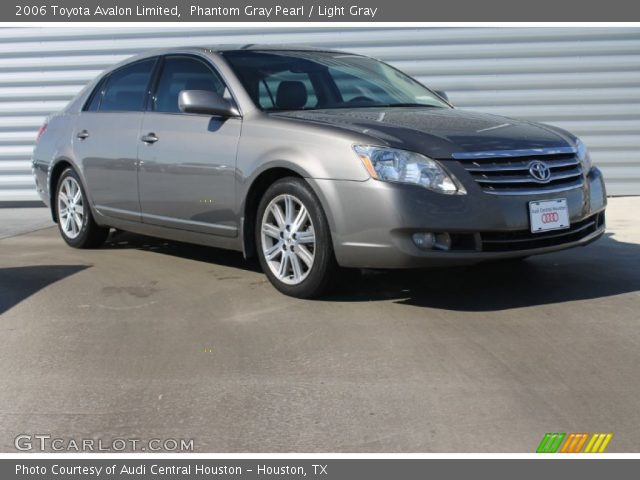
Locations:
585 80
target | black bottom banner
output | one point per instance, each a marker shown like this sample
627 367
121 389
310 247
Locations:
329 469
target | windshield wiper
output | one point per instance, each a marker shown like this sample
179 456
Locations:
347 107
410 105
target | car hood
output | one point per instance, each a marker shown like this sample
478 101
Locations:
437 132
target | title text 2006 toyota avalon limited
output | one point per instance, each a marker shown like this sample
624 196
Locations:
310 160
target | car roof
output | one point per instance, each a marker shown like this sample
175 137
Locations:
276 47
220 49
231 48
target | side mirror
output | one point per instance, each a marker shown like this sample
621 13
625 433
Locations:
443 94
206 102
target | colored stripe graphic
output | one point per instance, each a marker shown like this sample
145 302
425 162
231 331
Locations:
573 442
570 443
550 442
598 443
576 443
581 442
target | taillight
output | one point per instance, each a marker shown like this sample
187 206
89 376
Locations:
41 131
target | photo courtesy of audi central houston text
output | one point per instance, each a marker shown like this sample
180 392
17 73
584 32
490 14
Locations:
311 161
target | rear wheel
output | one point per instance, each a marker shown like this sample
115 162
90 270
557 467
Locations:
293 238
75 221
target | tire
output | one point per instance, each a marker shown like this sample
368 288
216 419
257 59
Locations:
294 249
75 221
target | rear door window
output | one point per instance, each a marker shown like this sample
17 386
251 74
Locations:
126 88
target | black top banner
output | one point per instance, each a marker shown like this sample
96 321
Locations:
309 11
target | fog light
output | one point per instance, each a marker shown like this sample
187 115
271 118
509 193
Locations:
424 240
432 241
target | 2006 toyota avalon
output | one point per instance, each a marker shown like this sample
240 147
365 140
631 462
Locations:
310 160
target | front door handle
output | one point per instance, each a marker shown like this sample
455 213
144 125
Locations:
83 134
150 138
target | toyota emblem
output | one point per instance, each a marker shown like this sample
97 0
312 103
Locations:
539 171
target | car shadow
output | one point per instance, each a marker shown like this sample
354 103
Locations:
605 268
19 283
227 258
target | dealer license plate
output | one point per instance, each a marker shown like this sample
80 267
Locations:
548 215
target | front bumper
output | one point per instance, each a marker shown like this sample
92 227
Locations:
372 223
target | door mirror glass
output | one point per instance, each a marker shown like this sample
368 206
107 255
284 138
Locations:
206 102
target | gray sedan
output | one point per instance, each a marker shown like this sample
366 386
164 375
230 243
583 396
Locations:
311 161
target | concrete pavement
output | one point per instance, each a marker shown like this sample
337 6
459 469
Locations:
16 221
152 339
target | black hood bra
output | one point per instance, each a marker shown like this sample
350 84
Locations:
437 132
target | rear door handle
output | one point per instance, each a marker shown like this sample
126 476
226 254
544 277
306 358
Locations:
150 138
83 134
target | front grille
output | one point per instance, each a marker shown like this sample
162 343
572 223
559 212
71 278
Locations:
508 172
525 240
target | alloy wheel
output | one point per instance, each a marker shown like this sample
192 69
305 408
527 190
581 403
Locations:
70 208
288 239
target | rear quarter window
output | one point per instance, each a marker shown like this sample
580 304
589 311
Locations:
93 103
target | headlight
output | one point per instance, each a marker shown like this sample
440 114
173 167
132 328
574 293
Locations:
393 165
583 156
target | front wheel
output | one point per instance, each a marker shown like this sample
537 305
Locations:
75 221
294 240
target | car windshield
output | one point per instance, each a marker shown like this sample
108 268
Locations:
308 80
